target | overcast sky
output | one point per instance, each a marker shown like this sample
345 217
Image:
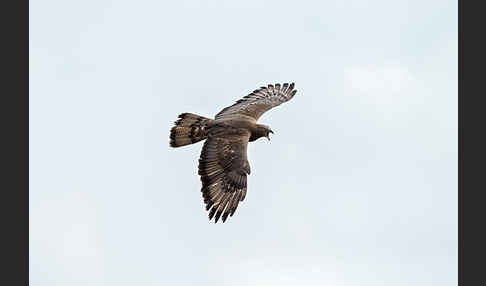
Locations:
358 185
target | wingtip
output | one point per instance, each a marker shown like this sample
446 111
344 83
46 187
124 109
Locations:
225 216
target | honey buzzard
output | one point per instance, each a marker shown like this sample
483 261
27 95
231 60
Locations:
223 164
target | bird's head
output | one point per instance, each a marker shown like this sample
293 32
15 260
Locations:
263 131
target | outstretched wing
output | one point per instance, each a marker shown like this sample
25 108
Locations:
259 101
223 167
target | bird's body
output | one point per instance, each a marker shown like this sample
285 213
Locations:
223 164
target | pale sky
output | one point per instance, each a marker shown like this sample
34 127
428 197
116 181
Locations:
358 185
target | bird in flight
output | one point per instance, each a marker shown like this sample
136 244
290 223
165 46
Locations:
223 164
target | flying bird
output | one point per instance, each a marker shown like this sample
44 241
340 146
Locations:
223 163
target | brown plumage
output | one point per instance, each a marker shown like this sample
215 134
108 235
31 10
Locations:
223 164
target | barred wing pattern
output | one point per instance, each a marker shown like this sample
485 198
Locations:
223 167
259 101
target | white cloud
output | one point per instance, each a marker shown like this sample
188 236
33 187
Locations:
65 238
267 271
385 80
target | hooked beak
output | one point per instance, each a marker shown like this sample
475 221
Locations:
268 134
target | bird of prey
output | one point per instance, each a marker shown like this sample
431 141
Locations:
223 164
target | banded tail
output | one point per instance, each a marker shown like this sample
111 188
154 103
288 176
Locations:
189 129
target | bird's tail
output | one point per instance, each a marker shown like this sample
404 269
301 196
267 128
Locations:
189 128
